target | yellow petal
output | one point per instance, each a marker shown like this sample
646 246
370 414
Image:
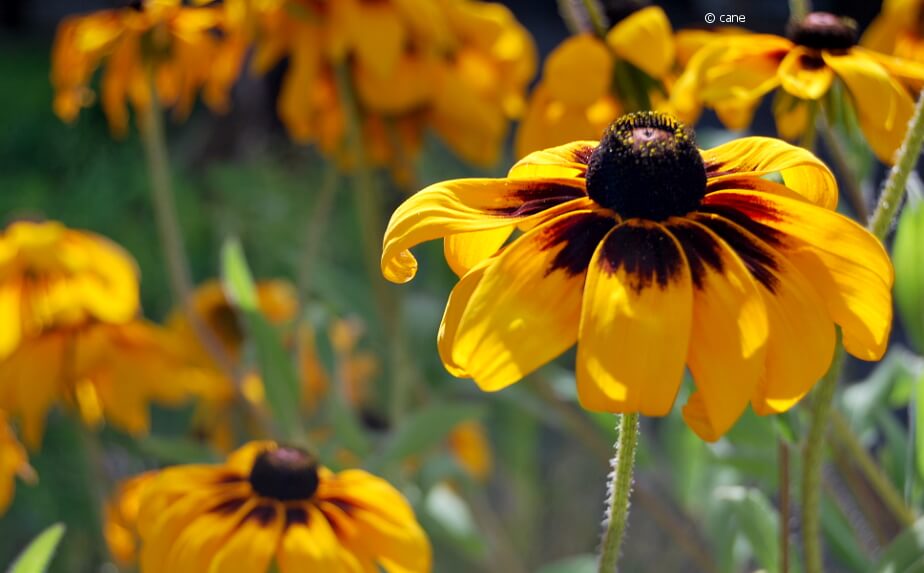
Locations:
729 333
252 546
842 260
645 39
909 72
465 250
549 122
455 308
635 322
510 325
804 74
568 160
462 206
758 156
578 71
294 104
408 85
883 106
793 117
10 318
309 546
378 35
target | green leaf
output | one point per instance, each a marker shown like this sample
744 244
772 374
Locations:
918 424
37 556
841 538
424 430
906 552
758 522
280 381
577 564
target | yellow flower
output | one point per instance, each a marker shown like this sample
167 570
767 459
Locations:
181 50
897 30
575 99
13 463
53 277
106 372
274 505
121 518
470 446
734 74
652 255
459 67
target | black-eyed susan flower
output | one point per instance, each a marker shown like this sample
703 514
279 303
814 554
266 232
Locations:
460 68
897 30
733 75
13 463
587 80
52 276
271 505
181 50
652 255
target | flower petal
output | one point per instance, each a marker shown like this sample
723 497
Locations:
793 116
568 160
635 322
511 326
462 206
10 318
579 70
801 170
883 106
252 546
465 250
845 263
648 27
455 308
804 75
728 335
309 544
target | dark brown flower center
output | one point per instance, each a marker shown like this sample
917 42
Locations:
286 474
824 31
618 10
647 166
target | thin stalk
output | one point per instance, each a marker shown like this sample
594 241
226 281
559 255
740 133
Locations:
596 17
784 507
822 402
619 491
798 9
870 470
894 189
318 224
848 179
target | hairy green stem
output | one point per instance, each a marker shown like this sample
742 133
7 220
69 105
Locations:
848 179
822 402
596 17
619 492
894 189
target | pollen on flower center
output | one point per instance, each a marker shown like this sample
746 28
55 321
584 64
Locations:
286 474
647 166
824 31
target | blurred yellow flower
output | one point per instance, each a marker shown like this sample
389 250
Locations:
897 30
13 463
459 67
586 80
734 74
652 256
120 514
275 506
54 277
181 50
471 448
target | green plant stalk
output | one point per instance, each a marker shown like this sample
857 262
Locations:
596 17
890 199
619 491
822 402
871 471
838 156
798 9
317 225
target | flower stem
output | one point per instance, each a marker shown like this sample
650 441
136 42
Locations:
596 17
799 9
822 402
894 189
620 489
847 180
317 225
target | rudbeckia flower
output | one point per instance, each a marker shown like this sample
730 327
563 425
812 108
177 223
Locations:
275 505
652 255
13 463
575 98
897 30
460 68
734 74
182 50
52 276
105 372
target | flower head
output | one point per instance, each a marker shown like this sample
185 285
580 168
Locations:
734 74
53 277
275 504
13 463
652 255
181 50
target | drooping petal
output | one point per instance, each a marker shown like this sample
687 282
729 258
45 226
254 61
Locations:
804 74
578 71
845 263
308 544
729 331
465 250
294 105
463 206
648 28
758 156
525 309
743 69
10 318
908 71
801 339
377 33
568 160
455 308
793 117
252 546
635 322
883 106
